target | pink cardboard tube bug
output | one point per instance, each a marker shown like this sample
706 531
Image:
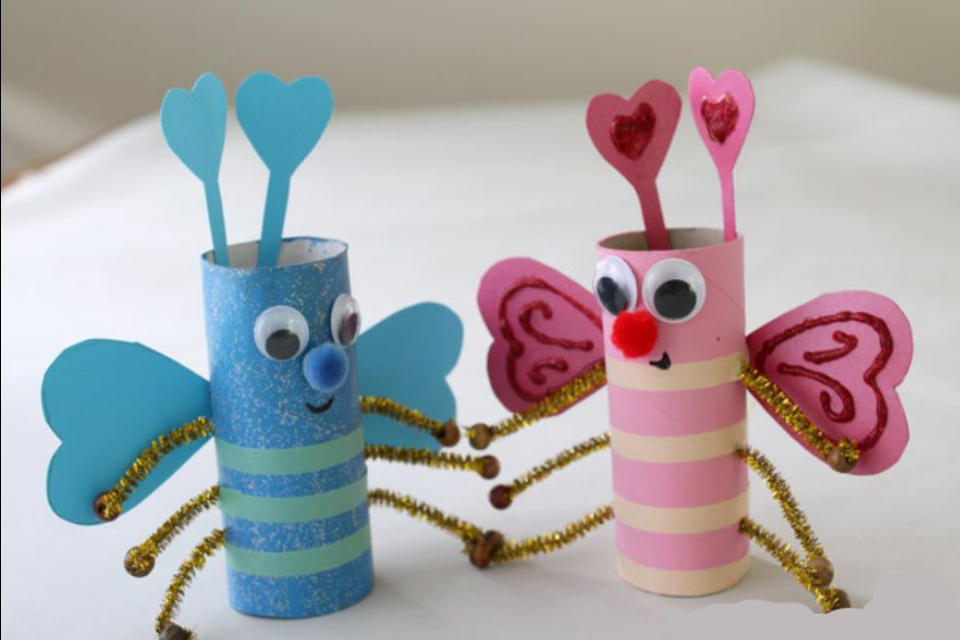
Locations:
665 328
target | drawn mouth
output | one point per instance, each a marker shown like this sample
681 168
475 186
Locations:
663 363
317 409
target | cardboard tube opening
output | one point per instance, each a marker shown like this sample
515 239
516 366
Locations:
293 251
688 238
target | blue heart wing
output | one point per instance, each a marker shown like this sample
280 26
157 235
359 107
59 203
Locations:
406 358
107 400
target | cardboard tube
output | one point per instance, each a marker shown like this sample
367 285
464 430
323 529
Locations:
293 481
679 491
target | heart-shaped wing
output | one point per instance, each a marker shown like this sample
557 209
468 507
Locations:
283 121
722 110
194 124
407 358
840 358
107 400
546 330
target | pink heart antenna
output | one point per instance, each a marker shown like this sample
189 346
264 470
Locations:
722 110
634 136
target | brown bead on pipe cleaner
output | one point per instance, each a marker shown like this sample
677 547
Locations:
173 631
483 550
490 468
451 434
500 496
480 436
106 506
822 569
839 461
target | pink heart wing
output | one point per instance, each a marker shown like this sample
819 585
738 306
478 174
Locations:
722 110
546 330
840 358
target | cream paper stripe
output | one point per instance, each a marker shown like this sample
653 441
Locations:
700 446
641 376
681 520
683 583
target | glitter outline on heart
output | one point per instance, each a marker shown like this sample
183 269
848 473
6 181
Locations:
666 104
702 85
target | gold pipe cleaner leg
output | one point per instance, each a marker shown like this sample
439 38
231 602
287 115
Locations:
466 531
503 495
842 456
781 492
486 466
481 435
484 547
816 556
447 433
479 545
181 580
109 504
141 559
829 598
510 550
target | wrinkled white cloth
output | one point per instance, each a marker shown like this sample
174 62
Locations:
845 182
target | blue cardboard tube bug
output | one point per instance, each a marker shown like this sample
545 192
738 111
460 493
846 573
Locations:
297 401
290 447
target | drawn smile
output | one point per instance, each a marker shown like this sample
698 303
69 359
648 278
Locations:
663 363
317 409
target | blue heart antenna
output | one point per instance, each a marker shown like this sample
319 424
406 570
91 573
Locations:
283 122
297 402
194 124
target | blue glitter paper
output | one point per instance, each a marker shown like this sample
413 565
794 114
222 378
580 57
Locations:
262 405
302 596
293 536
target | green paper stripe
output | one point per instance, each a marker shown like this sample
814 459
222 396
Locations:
303 562
301 509
274 462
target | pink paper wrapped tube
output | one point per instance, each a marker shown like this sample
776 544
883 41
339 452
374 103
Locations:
677 415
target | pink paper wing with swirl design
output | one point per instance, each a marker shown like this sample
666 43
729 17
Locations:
840 357
546 330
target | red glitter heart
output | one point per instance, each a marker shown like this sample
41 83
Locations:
632 133
720 117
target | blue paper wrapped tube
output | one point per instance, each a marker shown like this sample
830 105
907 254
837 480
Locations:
290 453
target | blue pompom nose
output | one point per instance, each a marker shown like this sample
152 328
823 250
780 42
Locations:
326 366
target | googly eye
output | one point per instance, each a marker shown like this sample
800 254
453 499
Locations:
345 320
674 290
615 285
281 333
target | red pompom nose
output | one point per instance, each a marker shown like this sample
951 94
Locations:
634 333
